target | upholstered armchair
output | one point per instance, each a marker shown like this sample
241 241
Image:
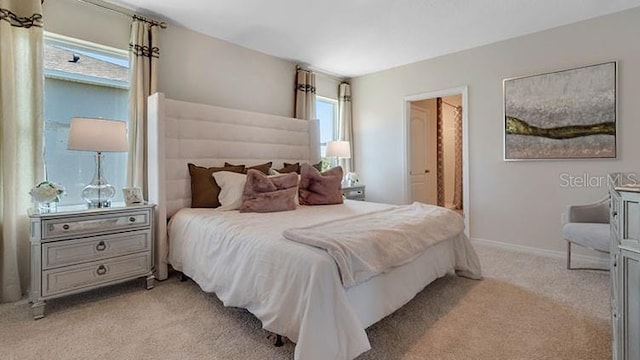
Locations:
588 226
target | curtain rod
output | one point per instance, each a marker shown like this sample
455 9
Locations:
160 24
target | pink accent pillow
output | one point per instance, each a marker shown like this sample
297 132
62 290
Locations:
269 193
320 188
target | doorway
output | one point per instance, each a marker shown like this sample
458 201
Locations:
437 150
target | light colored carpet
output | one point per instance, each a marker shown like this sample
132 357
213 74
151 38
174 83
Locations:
528 307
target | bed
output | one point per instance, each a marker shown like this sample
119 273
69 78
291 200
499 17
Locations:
294 289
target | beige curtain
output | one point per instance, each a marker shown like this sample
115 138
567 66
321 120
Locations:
21 136
305 94
345 123
457 186
143 54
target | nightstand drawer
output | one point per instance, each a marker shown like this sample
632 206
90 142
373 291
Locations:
354 193
70 252
87 225
68 279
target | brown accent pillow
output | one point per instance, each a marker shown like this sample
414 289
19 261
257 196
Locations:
290 168
269 193
320 188
204 189
287 168
263 168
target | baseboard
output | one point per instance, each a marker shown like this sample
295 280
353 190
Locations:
584 260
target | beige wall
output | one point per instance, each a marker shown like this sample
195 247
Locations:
193 67
87 22
513 202
203 69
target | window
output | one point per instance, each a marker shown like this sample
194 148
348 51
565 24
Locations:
82 80
327 114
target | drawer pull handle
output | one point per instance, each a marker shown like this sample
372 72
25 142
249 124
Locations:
101 246
132 219
65 227
101 270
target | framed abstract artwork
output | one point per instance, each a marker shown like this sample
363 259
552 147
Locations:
569 114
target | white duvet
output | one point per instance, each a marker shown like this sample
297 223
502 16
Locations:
293 288
368 244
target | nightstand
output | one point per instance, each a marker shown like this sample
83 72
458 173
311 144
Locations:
353 192
76 249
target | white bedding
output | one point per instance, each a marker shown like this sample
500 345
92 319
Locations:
369 244
295 289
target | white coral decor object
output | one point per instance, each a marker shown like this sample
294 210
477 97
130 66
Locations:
352 177
46 191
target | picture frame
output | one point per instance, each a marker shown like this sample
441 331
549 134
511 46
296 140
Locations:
132 195
567 114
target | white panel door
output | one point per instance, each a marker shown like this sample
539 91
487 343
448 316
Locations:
423 156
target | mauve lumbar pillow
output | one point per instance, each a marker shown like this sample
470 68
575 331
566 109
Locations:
269 193
320 188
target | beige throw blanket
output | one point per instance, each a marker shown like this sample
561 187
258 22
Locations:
366 245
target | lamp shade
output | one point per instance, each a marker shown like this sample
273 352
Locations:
90 134
340 149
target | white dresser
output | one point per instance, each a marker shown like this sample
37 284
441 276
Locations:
625 272
75 249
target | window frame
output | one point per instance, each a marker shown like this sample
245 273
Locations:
85 48
328 162
333 102
82 45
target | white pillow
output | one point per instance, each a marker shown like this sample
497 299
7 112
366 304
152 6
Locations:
231 189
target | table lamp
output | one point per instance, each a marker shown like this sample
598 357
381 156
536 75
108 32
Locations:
99 135
339 149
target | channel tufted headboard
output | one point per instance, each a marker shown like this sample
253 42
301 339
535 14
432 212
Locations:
181 132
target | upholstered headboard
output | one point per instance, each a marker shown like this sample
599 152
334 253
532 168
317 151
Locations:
180 132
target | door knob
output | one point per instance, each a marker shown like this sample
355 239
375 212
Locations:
427 171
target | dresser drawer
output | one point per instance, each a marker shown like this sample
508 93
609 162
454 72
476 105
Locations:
70 252
87 225
614 208
71 278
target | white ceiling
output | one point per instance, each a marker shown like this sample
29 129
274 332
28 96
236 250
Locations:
357 37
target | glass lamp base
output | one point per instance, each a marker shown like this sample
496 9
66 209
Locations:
98 193
99 204
98 196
